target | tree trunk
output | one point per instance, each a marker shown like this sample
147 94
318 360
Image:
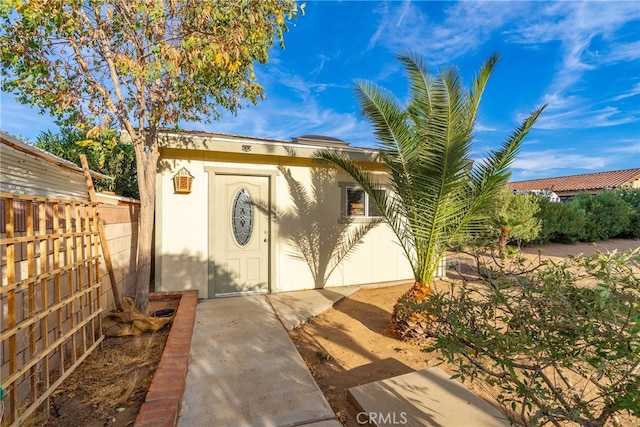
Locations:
406 321
503 240
146 162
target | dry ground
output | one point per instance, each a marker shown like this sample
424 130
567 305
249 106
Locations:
350 345
110 386
347 345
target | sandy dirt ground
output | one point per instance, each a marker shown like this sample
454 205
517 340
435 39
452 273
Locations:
350 345
559 250
110 386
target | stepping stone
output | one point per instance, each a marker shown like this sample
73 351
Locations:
423 398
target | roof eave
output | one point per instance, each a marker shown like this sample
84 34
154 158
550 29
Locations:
255 146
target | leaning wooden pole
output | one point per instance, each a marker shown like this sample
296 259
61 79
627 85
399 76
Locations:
103 235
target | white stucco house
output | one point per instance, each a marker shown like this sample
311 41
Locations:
238 215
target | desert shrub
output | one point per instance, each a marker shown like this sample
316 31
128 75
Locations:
560 222
515 218
632 197
607 215
561 343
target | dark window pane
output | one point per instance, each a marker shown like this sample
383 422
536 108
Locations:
355 202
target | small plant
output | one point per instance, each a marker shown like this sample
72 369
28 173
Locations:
515 219
561 343
323 356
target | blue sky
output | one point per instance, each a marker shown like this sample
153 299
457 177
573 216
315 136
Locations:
580 58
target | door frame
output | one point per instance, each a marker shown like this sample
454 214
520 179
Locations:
212 172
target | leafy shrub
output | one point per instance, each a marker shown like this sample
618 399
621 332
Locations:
607 215
632 197
562 343
515 219
104 155
560 222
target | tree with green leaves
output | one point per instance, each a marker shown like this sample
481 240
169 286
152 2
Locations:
515 218
104 155
435 196
140 65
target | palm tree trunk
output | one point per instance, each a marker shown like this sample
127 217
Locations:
406 321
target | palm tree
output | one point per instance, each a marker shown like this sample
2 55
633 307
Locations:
435 197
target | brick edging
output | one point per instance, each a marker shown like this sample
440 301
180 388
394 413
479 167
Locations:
161 406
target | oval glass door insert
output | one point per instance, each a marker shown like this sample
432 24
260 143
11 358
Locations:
242 217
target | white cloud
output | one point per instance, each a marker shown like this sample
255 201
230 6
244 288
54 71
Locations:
635 90
533 162
466 27
285 119
575 26
483 127
582 118
625 146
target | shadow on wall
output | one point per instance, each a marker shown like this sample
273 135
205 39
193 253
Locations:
320 240
180 272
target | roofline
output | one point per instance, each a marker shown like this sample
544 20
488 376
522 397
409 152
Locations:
179 139
34 151
579 175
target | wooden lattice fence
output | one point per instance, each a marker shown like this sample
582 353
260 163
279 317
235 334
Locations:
50 295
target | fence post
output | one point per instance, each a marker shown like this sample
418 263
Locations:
103 235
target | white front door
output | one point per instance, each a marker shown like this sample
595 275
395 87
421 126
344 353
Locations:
241 235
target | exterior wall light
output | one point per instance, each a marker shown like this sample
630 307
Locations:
182 181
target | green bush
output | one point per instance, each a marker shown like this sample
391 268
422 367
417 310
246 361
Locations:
632 197
607 215
516 217
560 352
561 222
104 155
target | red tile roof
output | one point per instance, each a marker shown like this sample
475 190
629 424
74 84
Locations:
589 181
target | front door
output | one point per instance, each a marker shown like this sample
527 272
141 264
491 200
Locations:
241 235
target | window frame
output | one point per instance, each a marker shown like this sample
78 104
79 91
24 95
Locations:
344 200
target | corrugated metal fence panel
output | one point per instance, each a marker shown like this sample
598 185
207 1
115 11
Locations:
28 175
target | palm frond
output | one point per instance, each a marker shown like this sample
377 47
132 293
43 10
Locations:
426 146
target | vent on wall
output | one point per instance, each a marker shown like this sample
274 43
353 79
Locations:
182 181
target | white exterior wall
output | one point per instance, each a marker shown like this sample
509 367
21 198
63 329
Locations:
182 228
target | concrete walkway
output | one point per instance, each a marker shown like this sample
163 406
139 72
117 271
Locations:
245 371
424 398
298 307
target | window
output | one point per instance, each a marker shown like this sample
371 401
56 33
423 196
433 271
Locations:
356 203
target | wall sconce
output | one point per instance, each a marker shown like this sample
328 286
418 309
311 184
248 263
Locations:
182 181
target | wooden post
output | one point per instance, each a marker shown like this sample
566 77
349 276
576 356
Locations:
103 236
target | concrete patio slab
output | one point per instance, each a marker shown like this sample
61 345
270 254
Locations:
424 398
296 308
333 423
245 371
